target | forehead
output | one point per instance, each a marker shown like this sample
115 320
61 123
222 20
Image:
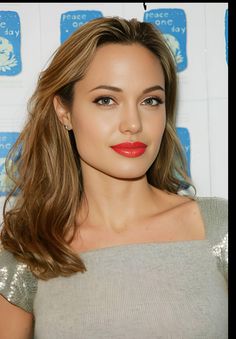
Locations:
124 63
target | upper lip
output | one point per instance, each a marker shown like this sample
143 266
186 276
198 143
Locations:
136 144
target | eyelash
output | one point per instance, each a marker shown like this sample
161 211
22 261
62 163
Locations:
159 100
102 98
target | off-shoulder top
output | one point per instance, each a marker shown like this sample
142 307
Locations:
141 291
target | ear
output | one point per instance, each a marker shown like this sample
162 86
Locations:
62 112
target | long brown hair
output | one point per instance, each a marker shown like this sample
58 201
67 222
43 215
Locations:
44 163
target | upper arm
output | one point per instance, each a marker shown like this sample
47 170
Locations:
18 287
14 321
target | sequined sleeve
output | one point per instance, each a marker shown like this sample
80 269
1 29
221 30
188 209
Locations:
215 214
17 284
220 251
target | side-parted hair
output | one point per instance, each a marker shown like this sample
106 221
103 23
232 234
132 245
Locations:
44 163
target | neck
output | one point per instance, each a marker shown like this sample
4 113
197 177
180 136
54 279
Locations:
112 204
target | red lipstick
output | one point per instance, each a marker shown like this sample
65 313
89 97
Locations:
130 149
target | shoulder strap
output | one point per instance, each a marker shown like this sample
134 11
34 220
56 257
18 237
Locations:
17 284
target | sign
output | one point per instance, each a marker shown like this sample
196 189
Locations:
172 23
7 139
71 21
184 137
226 35
10 40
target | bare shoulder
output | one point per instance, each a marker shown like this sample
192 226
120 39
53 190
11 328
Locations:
14 321
173 200
185 214
189 214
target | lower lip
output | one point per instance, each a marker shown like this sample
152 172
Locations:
130 152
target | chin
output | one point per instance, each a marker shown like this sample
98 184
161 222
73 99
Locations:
122 171
129 178
132 174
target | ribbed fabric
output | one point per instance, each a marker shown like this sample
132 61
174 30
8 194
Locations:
141 291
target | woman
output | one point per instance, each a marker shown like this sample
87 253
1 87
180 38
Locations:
99 242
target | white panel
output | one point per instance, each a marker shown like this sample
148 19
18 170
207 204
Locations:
203 85
217 90
217 68
193 78
218 130
193 116
17 89
50 15
12 117
1 207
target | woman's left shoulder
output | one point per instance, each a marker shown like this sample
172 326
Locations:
214 211
215 214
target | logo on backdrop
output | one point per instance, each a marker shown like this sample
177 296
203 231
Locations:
172 23
71 21
7 139
226 35
10 37
184 137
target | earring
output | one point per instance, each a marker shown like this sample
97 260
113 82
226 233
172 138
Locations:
66 127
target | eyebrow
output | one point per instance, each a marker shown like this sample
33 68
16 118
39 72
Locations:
117 89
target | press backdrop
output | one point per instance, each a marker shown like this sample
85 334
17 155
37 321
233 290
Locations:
198 36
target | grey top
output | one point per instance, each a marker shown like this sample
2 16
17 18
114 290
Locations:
135 291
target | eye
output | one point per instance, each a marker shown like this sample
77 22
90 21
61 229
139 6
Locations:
153 101
103 101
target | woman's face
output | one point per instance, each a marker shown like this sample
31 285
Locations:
120 100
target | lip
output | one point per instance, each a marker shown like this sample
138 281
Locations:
130 149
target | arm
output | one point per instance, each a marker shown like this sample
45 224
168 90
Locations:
17 290
14 321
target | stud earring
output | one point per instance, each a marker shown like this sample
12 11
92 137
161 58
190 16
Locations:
66 127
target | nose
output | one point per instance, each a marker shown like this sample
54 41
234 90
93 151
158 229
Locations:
130 122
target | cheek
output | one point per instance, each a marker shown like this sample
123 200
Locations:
156 127
89 133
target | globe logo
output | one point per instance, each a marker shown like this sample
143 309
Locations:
7 57
174 46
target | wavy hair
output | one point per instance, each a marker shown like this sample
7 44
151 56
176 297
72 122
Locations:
44 164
